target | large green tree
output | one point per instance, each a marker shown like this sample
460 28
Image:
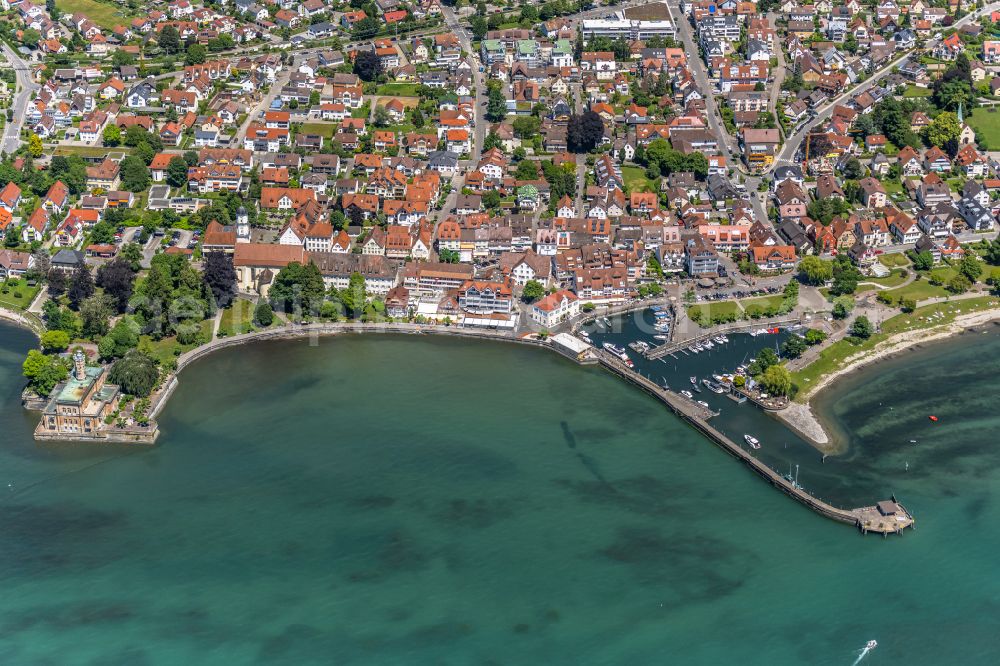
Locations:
177 172
776 380
219 275
43 372
135 373
135 174
813 270
944 128
298 288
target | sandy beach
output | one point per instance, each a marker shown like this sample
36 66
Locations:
801 418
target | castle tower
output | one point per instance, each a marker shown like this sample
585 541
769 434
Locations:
79 365
242 226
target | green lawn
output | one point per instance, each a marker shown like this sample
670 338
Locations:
987 125
325 129
893 279
636 181
399 89
894 260
17 296
88 151
892 186
763 303
237 319
105 14
167 349
709 310
928 316
914 91
918 291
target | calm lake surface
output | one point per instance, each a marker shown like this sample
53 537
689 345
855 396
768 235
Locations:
389 500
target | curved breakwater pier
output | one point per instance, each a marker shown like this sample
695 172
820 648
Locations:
885 517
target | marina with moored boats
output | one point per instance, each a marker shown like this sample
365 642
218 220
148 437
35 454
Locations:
705 380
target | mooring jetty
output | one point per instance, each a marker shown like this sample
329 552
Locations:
886 517
739 327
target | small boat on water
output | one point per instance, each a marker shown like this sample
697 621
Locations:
617 351
599 324
717 378
694 350
687 394
607 322
699 348
694 380
712 386
752 441
933 418
707 344
871 645
661 337
703 404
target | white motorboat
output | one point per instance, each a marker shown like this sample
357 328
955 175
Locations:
707 344
703 404
661 337
871 645
752 441
617 351
694 380
687 394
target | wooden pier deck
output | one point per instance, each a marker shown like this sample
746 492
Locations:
887 517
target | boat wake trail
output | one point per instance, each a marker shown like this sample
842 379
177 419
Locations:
864 652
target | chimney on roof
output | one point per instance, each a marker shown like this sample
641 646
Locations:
80 365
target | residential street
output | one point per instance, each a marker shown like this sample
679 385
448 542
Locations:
25 88
727 144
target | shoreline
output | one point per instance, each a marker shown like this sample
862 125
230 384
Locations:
18 319
865 518
803 418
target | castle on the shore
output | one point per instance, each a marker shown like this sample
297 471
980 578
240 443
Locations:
79 406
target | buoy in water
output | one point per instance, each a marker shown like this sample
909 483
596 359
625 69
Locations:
933 418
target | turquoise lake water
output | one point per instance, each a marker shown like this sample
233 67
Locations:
390 500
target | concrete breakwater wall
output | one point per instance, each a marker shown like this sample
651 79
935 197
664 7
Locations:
863 518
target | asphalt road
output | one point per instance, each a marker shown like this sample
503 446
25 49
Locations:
727 144
794 142
26 86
